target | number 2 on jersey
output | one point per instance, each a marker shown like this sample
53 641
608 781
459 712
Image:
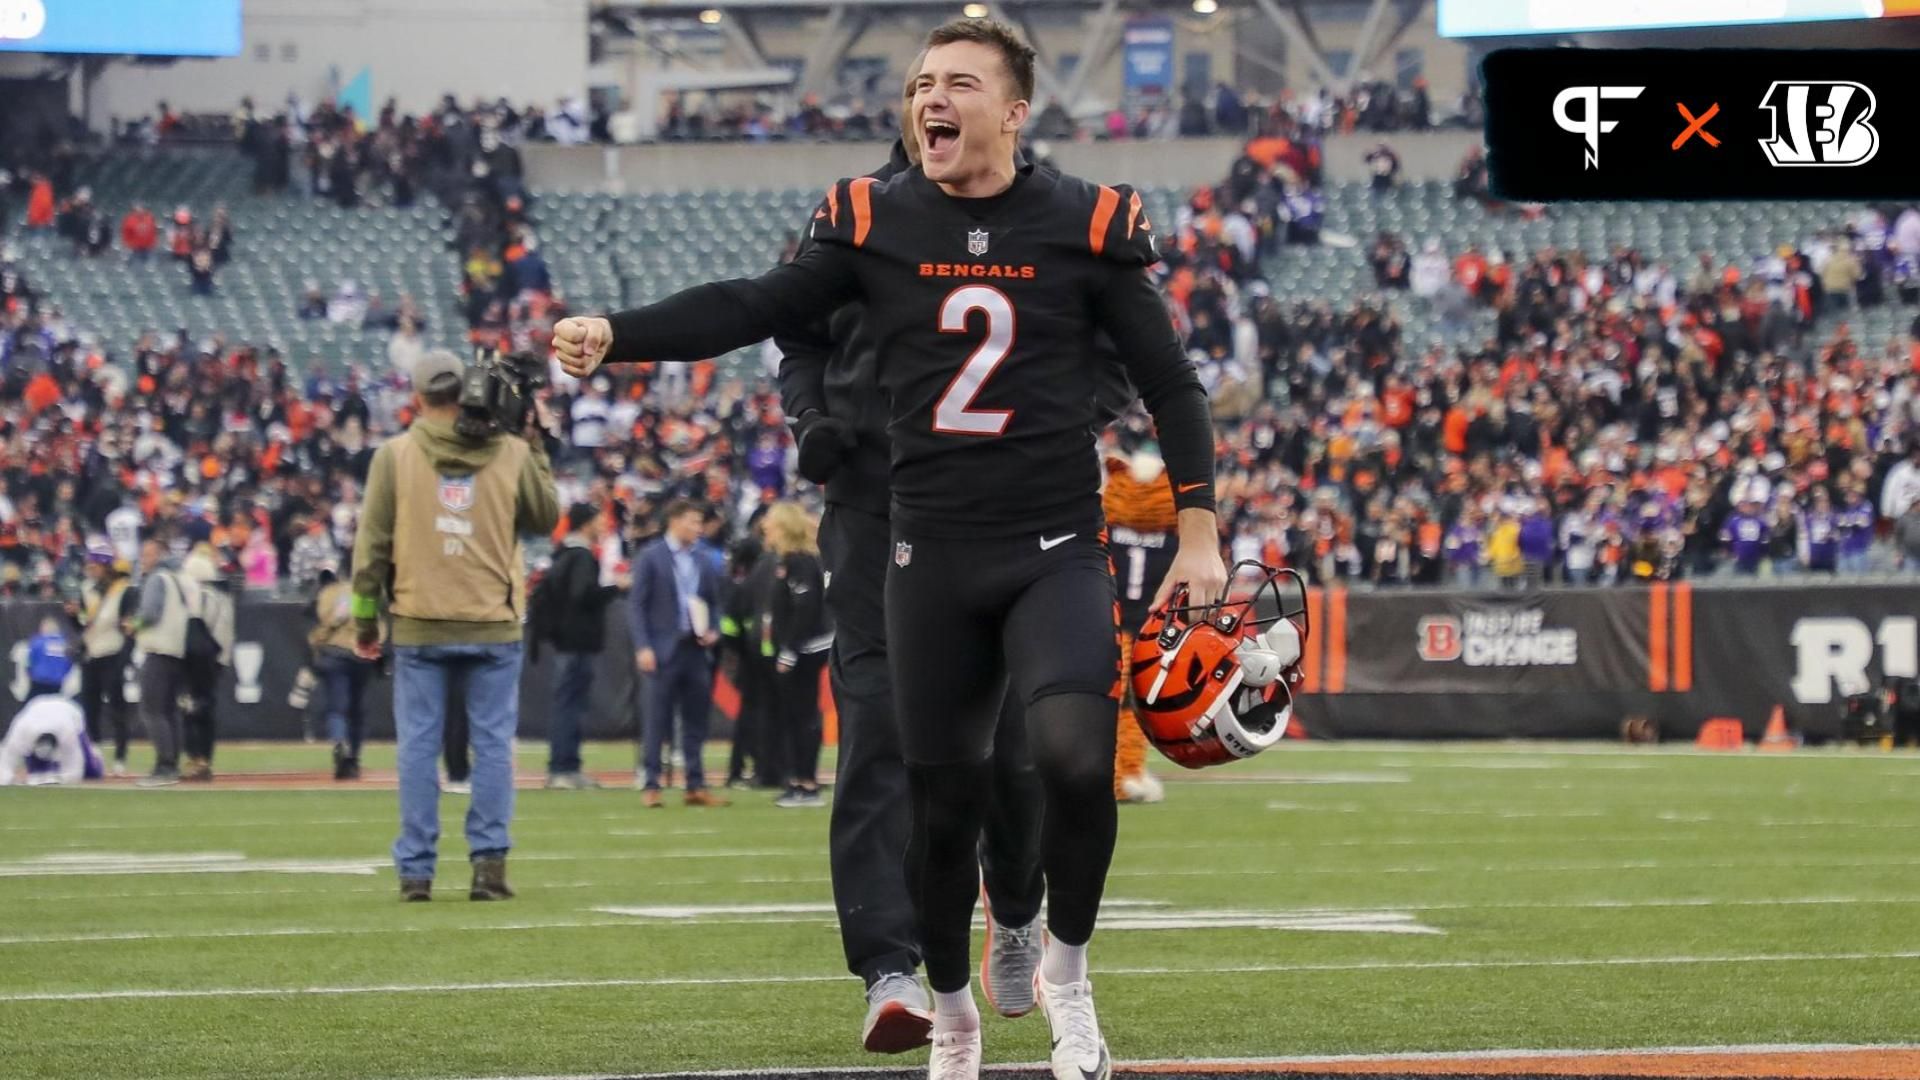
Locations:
953 414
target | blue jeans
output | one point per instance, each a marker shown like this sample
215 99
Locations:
1854 562
346 678
421 675
683 685
572 693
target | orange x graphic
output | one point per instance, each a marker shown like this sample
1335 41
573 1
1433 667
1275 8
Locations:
1697 125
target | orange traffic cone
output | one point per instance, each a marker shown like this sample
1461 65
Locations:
1776 739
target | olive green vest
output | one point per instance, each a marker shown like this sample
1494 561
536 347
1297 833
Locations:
456 555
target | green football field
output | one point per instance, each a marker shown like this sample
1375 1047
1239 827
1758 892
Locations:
1322 899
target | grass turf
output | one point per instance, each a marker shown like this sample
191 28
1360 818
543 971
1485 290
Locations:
1582 900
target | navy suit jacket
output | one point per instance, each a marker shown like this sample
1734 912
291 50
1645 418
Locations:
654 603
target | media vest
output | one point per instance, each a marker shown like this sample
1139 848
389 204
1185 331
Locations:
456 554
168 637
102 636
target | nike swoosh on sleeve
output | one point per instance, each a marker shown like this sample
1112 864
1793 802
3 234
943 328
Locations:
1195 486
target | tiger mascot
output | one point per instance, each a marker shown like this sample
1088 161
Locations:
1143 536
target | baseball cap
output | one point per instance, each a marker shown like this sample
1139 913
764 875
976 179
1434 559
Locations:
438 366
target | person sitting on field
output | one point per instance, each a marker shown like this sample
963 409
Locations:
47 741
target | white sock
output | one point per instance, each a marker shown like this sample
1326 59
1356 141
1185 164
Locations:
955 1011
1063 964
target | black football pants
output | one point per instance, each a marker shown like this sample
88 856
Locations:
965 617
869 827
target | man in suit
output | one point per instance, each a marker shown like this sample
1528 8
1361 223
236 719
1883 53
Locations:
675 610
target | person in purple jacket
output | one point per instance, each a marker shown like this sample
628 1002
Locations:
767 465
1820 534
1463 544
1855 525
1745 535
1536 540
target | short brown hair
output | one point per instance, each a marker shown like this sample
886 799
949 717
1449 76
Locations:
1013 49
676 507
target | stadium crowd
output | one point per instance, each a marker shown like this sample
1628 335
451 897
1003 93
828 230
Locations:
1626 420
329 150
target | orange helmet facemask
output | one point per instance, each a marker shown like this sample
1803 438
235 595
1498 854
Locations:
1213 682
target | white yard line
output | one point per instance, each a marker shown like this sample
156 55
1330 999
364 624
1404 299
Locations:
1303 1059
783 980
1122 915
1535 868
542 886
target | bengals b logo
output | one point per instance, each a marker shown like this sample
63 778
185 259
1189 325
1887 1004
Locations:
1439 638
1820 123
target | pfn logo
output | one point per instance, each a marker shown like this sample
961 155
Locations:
1589 126
1820 123
22 20
1439 638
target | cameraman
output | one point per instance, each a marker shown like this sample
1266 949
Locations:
439 546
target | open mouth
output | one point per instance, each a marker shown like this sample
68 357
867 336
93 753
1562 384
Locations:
939 135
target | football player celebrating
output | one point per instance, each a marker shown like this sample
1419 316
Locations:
986 284
840 421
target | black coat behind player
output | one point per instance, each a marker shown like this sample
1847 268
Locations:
986 287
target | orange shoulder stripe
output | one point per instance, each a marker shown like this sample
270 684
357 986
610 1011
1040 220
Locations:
833 206
1103 209
859 194
1136 215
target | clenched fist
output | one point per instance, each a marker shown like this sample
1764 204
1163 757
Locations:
580 343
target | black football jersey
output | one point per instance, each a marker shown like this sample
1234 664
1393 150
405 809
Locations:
986 312
985 315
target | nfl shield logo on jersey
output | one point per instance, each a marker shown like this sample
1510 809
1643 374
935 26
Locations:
977 242
456 493
902 553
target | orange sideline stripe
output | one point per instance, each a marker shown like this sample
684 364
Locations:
1310 664
1682 636
1336 641
1657 638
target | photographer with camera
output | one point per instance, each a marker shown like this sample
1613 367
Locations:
439 548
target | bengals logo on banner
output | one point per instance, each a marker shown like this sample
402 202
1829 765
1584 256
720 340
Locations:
1439 638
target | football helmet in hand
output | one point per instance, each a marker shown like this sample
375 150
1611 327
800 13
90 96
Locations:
1214 683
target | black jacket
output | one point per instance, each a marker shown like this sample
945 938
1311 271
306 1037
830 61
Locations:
848 391
745 624
577 601
798 609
